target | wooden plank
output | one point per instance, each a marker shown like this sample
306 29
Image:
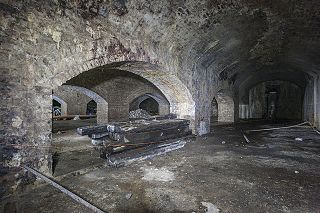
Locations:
136 126
163 117
111 146
128 157
99 135
69 117
89 130
156 117
153 135
144 126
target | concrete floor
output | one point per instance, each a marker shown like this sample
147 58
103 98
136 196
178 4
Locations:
218 172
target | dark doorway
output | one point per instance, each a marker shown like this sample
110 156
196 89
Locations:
276 100
56 108
92 108
272 105
214 111
150 105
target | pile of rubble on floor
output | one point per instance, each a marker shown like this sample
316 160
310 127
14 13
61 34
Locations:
123 142
139 113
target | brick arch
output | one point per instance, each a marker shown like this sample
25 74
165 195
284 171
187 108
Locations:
99 52
178 95
102 104
64 105
164 106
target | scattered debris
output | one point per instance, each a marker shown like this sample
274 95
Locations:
139 113
246 138
210 207
96 142
298 139
138 131
149 137
61 132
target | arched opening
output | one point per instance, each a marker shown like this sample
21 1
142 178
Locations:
56 108
154 104
275 100
91 108
173 89
98 105
214 111
59 106
150 105
251 85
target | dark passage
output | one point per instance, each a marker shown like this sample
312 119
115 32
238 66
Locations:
150 105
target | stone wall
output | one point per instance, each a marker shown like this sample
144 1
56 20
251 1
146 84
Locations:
102 104
119 89
75 100
225 106
188 49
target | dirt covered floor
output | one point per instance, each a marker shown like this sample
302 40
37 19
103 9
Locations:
278 171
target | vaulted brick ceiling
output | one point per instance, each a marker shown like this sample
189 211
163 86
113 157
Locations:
222 36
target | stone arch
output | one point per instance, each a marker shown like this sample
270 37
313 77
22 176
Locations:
102 104
177 94
250 79
164 106
64 105
225 106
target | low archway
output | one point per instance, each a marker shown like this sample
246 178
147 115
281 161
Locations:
102 104
250 79
56 109
152 103
214 111
177 94
91 108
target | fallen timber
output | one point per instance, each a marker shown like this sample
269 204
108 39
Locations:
143 153
124 142
70 117
63 189
132 126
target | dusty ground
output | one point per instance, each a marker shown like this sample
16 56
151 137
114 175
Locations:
276 172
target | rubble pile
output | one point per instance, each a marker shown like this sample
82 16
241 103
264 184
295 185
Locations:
139 113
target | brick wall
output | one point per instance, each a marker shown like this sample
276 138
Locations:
75 100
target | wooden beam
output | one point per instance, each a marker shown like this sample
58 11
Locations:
64 190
